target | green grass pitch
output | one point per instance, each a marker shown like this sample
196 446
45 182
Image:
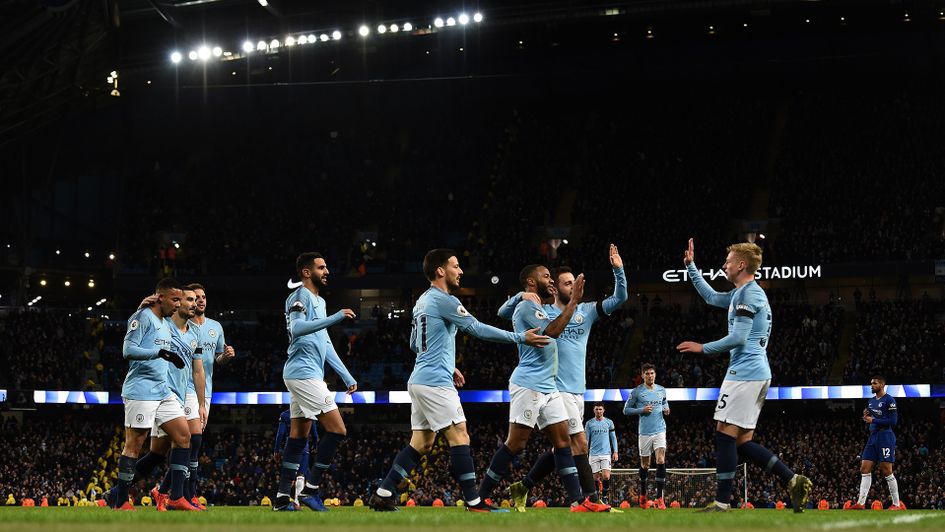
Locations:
255 519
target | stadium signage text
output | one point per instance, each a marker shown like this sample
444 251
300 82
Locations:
765 272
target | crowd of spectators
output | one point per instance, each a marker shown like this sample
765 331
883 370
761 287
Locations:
52 458
904 338
804 343
882 218
519 171
49 350
239 464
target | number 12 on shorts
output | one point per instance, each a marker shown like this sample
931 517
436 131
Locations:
886 452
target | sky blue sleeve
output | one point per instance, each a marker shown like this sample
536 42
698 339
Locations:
613 438
716 299
221 343
619 297
628 407
454 312
131 348
587 432
299 326
507 309
737 338
336 364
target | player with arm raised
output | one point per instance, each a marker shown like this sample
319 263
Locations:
310 348
602 442
534 396
881 415
570 378
748 376
434 401
648 401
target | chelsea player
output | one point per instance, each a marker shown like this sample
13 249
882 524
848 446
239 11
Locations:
746 382
434 401
282 434
304 374
881 415
570 378
648 401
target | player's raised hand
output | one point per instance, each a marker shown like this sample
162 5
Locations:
577 290
615 260
533 297
534 339
349 313
689 254
148 301
689 347
351 389
458 380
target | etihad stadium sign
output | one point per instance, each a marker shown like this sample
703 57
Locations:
763 273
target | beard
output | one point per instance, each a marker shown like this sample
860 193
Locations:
319 282
198 312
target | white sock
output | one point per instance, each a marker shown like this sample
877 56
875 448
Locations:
474 502
893 489
723 505
866 480
384 493
299 484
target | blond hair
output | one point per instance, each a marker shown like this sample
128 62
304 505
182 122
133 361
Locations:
748 252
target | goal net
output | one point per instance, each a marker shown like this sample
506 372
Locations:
692 488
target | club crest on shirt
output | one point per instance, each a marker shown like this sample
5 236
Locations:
212 333
541 315
193 344
134 325
461 310
579 318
